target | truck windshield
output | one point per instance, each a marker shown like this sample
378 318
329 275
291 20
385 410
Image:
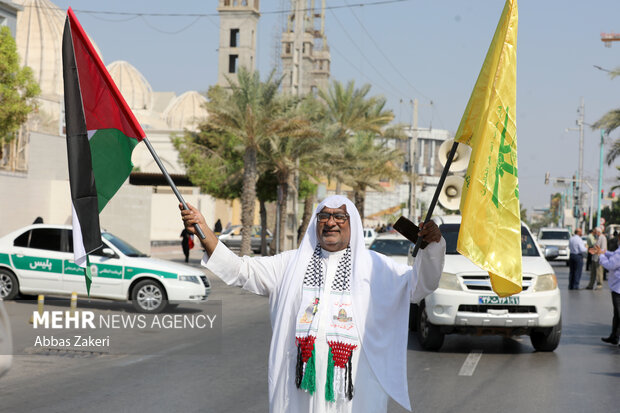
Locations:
450 233
554 235
391 246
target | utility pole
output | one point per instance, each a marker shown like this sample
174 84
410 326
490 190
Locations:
412 163
580 177
580 122
600 180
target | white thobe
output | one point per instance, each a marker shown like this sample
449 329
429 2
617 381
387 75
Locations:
380 297
369 396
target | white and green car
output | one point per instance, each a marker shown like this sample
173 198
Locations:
38 259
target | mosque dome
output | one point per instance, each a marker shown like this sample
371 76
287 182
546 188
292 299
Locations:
133 86
39 43
186 111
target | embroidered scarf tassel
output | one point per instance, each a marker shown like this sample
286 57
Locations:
349 375
339 383
309 381
329 382
305 373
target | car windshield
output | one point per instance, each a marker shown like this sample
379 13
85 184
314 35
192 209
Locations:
450 233
554 235
123 246
391 246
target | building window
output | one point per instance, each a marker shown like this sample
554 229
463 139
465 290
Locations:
288 48
234 37
232 63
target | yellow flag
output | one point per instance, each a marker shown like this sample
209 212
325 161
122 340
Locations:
490 233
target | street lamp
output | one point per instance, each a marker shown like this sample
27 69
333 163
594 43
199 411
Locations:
600 178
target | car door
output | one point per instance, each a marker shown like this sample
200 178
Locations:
107 272
37 257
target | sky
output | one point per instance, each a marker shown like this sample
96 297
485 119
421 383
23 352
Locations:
405 49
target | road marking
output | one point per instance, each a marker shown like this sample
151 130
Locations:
468 367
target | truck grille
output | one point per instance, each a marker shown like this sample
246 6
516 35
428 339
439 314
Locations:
483 283
472 308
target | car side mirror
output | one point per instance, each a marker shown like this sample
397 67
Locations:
551 253
108 252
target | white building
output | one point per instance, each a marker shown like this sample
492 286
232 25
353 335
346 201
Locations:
34 175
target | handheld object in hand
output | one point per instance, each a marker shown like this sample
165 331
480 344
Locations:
409 230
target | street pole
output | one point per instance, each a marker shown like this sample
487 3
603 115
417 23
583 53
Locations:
580 177
412 172
600 180
580 122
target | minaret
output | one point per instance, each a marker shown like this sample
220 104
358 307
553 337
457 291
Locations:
238 24
305 54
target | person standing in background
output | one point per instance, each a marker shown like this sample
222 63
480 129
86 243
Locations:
596 271
612 245
185 236
217 228
575 261
611 261
590 241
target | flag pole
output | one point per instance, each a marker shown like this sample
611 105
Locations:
170 182
444 173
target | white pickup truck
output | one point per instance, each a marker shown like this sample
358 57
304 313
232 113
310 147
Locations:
464 302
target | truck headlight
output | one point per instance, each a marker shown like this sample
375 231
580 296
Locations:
545 282
449 282
190 278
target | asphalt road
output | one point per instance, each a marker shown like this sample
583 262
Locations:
469 374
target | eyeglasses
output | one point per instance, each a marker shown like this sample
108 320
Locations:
339 218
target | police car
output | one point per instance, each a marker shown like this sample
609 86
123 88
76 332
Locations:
38 259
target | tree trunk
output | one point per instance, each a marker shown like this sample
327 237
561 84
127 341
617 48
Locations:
360 199
283 214
248 199
305 221
263 231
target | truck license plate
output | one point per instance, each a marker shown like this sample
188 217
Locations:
493 299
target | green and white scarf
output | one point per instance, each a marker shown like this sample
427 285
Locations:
341 333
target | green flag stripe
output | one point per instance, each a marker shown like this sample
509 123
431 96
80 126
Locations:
111 153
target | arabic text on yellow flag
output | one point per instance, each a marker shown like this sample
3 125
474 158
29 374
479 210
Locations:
490 233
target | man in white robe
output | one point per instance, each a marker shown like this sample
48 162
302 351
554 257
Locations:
377 294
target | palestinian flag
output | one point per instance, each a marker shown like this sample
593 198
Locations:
101 134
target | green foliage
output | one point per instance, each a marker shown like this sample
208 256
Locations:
17 89
609 122
612 215
212 160
524 215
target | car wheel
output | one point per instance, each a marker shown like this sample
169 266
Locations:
9 286
149 296
546 339
429 335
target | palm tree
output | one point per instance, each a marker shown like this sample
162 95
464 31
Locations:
369 162
248 113
349 110
293 144
609 122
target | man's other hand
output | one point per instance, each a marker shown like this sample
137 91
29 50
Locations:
429 231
